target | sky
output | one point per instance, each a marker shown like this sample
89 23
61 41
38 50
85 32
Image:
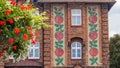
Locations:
114 19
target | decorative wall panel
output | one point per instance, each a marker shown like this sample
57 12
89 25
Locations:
93 35
59 36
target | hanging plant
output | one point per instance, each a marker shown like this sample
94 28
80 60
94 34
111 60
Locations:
17 23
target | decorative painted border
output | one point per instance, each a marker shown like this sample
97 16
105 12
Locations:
59 36
93 36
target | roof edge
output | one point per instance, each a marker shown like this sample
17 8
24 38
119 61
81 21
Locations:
101 1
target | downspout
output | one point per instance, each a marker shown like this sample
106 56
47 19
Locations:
42 47
42 40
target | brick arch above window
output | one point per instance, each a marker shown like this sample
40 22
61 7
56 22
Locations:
76 39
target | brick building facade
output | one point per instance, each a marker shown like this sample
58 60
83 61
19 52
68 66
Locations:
77 38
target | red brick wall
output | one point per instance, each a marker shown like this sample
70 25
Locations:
80 31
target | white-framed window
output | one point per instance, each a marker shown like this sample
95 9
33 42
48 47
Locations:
34 51
11 56
76 16
76 50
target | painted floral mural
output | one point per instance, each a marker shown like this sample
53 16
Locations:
59 48
93 36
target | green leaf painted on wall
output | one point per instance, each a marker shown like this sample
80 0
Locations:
93 27
59 61
59 27
93 43
59 44
61 41
56 25
93 60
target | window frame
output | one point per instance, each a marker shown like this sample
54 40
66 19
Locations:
11 56
76 48
80 15
33 47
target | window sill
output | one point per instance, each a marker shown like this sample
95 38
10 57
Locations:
76 58
79 25
33 58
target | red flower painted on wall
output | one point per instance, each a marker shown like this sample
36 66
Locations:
93 35
93 52
92 19
59 52
59 35
58 19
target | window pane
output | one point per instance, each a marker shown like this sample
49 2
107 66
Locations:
78 51
36 53
78 44
73 19
78 55
31 45
78 20
31 53
73 44
76 11
73 55
73 51
37 44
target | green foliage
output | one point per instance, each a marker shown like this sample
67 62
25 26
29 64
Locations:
115 51
21 16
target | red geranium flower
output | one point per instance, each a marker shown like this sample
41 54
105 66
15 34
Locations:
33 41
25 36
13 2
2 22
36 33
29 28
16 30
23 7
29 6
10 20
14 47
19 3
0 30
31 35
10 40
7 11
